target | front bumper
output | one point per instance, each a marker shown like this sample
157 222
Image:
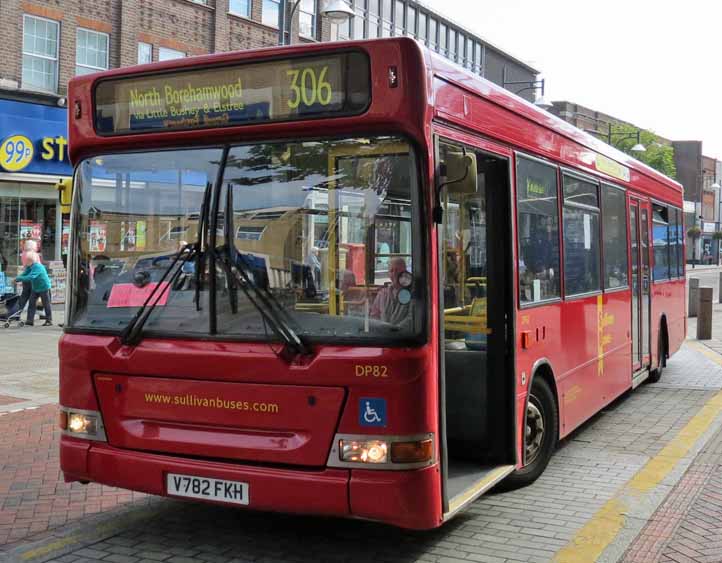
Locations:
409 499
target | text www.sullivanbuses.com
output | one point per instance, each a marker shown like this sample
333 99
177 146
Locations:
190 400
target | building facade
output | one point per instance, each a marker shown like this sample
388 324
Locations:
47 42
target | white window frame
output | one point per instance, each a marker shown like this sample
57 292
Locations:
263 11
167 50
107 50
314 19
45 57
150 47
239 14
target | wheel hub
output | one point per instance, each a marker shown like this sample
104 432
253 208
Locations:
534 432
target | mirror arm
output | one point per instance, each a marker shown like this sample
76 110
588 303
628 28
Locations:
437 214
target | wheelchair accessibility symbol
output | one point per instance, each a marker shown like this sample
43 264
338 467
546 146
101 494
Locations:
372 412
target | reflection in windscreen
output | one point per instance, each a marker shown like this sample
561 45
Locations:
323 229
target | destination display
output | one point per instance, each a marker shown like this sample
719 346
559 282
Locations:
278 90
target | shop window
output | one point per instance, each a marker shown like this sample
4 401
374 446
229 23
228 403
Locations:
307 18
240 8
614 223
166 54
270 12
40 54
538 231
91 51
145 53
581 237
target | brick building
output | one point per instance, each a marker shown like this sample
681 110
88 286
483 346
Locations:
47 42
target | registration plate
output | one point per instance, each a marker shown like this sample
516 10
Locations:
220 490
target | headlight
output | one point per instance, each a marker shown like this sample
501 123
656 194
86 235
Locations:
364 451
82 424
382 452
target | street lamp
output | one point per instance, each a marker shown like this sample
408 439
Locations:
337 11
541 101
638 147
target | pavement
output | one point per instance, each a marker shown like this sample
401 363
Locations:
640 482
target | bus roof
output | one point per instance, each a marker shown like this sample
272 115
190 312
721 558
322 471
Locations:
443 68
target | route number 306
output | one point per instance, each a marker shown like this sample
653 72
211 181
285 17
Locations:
308 87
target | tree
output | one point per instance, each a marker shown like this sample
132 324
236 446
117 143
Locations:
657 155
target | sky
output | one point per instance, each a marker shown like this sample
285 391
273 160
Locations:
656 64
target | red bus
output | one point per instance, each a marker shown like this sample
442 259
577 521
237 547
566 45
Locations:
350 279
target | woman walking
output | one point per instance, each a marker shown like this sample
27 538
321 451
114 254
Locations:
37 276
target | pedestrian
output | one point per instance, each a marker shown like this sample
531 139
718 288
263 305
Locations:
29 247
39 281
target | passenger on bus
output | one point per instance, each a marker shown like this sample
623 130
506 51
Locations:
386 307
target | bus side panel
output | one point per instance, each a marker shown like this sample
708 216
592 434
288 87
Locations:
583 392
668 299
540 328
614 338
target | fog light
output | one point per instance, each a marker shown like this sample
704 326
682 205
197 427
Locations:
364 451
82 423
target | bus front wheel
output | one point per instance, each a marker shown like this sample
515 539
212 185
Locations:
540 434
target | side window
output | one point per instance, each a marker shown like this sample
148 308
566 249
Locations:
538 223
581 236
660 229
614 213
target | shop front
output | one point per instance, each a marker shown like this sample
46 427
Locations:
33 158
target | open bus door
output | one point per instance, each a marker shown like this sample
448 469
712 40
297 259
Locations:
477 385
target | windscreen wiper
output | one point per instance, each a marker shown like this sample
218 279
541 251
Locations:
131 334
262 299
200 257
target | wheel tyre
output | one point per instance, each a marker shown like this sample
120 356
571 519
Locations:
656 374
6 325
21 324
541 403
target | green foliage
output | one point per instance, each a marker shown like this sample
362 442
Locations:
717 235
658 155
694 232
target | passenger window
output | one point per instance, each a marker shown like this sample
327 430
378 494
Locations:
679 237
615 237
675 237
538 231
581 236
660 230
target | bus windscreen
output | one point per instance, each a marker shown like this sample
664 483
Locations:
239 94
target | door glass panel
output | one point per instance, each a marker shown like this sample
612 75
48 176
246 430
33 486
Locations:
645 282
636 286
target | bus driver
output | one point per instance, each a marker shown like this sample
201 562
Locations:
387 307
